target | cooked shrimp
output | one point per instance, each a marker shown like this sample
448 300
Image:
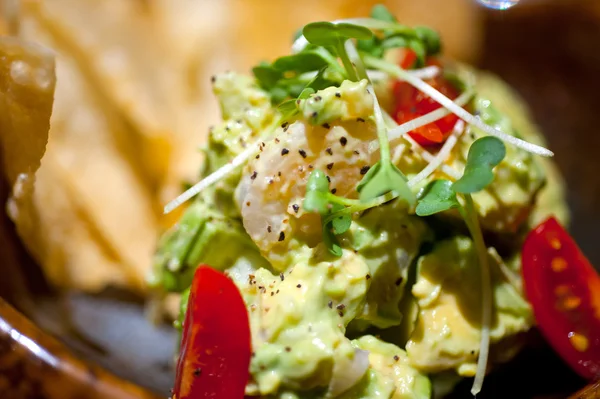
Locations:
273 185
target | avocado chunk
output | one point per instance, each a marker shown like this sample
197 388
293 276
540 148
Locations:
298 321
389 240
203 235
389 375
551 198
350 101
506 203
448 291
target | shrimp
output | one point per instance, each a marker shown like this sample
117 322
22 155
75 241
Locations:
273 185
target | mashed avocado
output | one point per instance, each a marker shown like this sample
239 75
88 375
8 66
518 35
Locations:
299 318
401 305
349 101
448 291
551 197
390 374
389 240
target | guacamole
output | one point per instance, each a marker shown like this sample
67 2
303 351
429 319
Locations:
353 295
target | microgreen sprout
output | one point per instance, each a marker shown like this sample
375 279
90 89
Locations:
441 195
335 35
484 154
336 212
384 176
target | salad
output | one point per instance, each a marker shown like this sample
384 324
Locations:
372 221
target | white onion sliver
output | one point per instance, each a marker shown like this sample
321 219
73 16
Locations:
455 109
429 72
426 119
348 372
422 151
430 157
211 179
423 120
440 157
355 58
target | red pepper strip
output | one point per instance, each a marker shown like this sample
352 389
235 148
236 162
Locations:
412 103
216 346
564 291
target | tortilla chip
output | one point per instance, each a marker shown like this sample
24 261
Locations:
27 81
92 220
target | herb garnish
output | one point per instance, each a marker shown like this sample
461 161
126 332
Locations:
484 154
335 35
336 212
441 195
315 66
422 40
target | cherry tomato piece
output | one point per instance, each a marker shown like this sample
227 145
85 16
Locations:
564 291
412 103
215 347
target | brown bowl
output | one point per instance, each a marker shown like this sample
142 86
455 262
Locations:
35 365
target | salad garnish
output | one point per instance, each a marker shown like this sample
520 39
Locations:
320 49
442 195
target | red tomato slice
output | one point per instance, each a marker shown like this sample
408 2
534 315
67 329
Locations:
412 103
410 57
425 135
564 291
216 346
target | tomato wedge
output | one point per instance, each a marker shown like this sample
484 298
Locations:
412 103
564 291
215 346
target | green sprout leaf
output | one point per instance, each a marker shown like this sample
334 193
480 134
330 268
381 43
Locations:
317 181
305 61
380 12
430 38
331 241
437 197
351 31
328 34
340 222
315 201
287 106
394 42
484 154
383 178
306 93
287 109
318 199
278 94
267 76
373 46
320 81
421 52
